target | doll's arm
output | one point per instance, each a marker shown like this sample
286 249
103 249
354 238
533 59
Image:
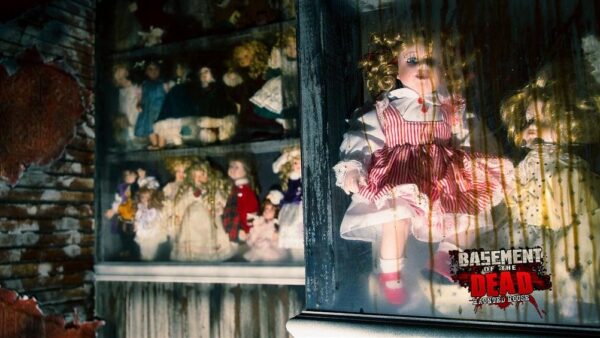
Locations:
114 207
362 139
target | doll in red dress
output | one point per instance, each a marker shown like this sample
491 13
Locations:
242 199
406 166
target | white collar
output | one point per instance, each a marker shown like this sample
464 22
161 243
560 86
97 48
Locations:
241 181
409 93
295 175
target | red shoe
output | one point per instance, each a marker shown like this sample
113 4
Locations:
441 265
394 292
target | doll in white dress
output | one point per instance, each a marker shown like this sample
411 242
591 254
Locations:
198 208
403 164
263 238
291 231
148 222
555 199
129 96
177 166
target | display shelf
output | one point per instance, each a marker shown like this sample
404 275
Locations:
222 273
204 42
257 147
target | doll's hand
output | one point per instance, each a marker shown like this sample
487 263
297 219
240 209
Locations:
243 235
353 181
110 213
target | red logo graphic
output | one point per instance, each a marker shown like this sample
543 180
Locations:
501 277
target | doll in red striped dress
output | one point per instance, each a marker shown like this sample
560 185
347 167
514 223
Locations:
406 165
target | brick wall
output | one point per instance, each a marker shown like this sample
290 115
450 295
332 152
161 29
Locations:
46 221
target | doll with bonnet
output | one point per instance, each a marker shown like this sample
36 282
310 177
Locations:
263 238
291 232
555 199
403 163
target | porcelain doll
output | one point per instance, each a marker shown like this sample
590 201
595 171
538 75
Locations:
154 91
145 181
554 203
291 232
148 223
278 97
245 76
178 115
405 171
177 166
242 198
123 207
217 112
263 238
198 209
129 95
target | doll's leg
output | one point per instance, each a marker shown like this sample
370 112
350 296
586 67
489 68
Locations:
441 258
392 252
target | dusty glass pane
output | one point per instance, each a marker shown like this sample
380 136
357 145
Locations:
473 165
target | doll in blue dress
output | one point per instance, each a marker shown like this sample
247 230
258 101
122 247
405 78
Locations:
154 91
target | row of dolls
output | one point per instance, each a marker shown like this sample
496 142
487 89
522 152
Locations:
256 98
416 168
204 216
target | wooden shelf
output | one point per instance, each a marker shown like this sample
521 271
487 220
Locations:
205 42
258 147
219 273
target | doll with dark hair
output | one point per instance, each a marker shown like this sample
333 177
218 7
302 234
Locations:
242 199
263 237
123 207
216 110
154 91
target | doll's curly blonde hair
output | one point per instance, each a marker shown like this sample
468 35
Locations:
570 111
217 183
293 153
173 162
380 64
260 57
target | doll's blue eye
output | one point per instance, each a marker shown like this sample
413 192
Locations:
412 60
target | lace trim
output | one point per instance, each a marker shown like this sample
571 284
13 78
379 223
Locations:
342 168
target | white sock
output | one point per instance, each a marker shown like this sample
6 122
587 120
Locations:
391 265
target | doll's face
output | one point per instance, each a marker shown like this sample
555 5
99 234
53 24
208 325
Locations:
290 48
120 77
236 170
296 165
269 212
199 177
243 57
179 173
418 68
129 177
152 71
536 130
205 76
141 173
180 70
145 197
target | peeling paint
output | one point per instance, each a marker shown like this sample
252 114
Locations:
51 195
44 269
32 210
72 250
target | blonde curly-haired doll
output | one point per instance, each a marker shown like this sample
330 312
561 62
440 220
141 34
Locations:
555 200
291 231
198 208
402 164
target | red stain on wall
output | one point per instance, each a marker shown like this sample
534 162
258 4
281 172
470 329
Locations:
39 108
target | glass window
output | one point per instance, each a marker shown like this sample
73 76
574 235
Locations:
464 184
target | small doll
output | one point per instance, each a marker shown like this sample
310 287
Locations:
123 207
405 171
154 91
177 166
245 76
278 97
198 209
218 113
263 237
144 181
129 95
178 115
148 222
291 232
555 199
242 199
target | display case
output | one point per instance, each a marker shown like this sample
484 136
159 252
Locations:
198 154
451 150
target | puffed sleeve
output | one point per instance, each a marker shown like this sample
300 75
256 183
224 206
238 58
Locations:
363 137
